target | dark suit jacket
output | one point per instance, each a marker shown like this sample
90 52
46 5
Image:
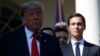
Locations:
15 44
88 50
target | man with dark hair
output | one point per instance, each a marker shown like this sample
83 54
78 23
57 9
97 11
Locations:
48 30
26 41
78 46
62 35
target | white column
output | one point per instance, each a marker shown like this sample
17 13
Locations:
90 10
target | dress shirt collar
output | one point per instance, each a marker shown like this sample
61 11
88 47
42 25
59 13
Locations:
74 41
28 33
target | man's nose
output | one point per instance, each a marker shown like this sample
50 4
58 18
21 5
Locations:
62 39
35 16
76 26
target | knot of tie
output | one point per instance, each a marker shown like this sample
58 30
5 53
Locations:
77 43
34 35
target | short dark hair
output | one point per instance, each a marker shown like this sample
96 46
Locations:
77 15
48 28
33 4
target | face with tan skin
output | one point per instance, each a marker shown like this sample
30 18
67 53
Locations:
33 18
76 28
62 36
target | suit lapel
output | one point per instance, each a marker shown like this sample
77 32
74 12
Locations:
23 43
85 49
42 46
70 50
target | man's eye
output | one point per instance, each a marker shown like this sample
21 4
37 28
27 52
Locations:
58 37
72 23
31 13
79 23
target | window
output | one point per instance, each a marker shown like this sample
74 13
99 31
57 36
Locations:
9 20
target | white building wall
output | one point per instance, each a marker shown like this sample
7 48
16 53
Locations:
90 10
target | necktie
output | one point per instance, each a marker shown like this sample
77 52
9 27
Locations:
34 46
77 49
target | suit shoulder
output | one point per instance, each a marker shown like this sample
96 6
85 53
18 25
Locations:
11 34
49 36
91 45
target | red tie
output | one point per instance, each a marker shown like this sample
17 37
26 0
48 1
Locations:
34 46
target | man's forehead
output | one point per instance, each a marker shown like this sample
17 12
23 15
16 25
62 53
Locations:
61 33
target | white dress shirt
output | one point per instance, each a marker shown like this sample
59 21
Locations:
29 40
81 46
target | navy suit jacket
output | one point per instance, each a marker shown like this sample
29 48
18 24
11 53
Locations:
15 44
88 50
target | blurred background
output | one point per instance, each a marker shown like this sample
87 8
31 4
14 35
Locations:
10 11
10 15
